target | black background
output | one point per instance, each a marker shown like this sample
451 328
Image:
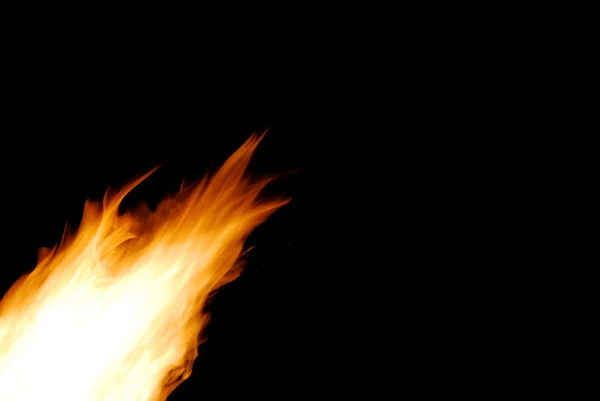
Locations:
62 145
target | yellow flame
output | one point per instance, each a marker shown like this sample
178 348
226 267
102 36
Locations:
114 313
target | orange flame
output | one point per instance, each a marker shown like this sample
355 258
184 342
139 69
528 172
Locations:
114 313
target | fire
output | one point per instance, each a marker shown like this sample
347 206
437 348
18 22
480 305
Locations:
114 312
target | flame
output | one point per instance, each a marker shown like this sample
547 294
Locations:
114 312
